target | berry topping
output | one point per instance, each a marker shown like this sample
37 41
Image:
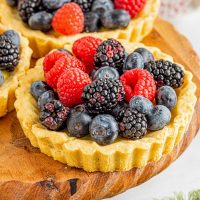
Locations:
166 96
69 19
102 95
13 36
78 122
134 60
104 129
86 5
2 80
54 115
119 110
146 54
38 88
114 19
91 22
159 118
166 73
70 86
133 125
141 104
54 4
138 82
133 7
110 53
12 2
66 51
85 48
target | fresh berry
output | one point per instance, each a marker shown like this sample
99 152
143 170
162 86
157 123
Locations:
106 72
40 21
166 96
54 4
133 125
114 19
146 54
141 104
159 118
45 98
12 2
9 54
70 86
166 73
65 51
91 22
13 36
78 122
60 66
133 7
85 48
54 115
86 5
134 60
38 88
119 110
102 95
68 20
110 53
138 82
104 129
101 6
2 80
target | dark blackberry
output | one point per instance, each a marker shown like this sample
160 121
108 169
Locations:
86 5
110 53
133 125
54 115
102 95
166 73
9 54
27 8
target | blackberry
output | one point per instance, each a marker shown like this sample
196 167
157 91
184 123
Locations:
110 53
102 95
133 125
166 73
119 110
86 5
54 115
9 54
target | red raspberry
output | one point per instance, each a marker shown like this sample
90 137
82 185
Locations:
85 48
69 20
60 66
138 82
51 58
133 7
70 86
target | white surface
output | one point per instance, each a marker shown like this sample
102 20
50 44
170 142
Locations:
184 174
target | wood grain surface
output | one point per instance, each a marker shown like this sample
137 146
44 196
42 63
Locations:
27 174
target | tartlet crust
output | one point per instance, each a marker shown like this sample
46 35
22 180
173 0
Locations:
7 90
123 154
42 43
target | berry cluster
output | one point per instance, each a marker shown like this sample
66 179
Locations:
108 93
70 17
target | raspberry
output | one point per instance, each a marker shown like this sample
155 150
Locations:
69 19
132 7
138 82
85 48
60 66
70 86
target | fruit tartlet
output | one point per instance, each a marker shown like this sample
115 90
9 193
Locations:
49 24
15 56
106 105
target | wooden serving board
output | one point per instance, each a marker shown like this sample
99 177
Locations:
27 174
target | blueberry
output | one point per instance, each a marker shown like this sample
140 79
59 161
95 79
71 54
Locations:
45 98
12 2
78 122
115 19
104 129
119 110
146 54
38 88
106 72
91 22
101 6
54 4
141 104
13 36
134 60
166 96
40 21
1 78
159 118
65 50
